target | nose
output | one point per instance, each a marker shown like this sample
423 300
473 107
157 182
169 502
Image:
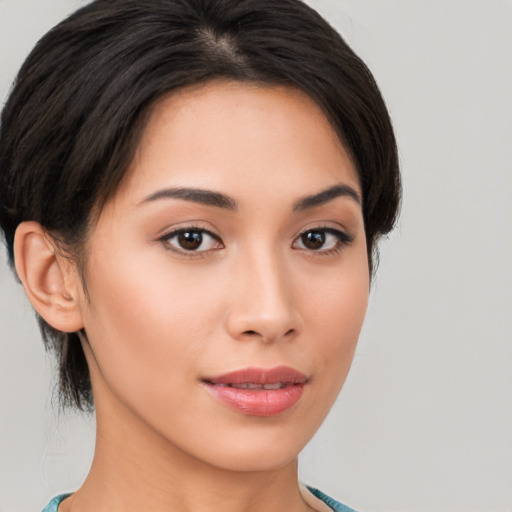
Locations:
263 300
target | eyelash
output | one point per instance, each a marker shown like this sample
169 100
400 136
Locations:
342 239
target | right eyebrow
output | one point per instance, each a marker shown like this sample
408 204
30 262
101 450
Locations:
340 190
196 195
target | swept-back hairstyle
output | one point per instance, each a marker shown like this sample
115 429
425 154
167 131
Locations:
78 107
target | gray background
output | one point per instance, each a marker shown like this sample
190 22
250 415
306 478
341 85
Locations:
424 422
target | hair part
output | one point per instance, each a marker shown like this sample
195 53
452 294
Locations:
79 105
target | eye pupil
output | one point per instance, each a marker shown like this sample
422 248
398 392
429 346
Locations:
313 239
190 240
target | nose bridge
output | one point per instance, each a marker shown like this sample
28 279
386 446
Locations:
263 304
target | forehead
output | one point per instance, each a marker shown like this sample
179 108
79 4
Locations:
223 134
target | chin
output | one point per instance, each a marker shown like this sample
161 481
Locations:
264 448
249 460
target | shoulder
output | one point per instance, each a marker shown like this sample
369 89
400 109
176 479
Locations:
54 504
334 505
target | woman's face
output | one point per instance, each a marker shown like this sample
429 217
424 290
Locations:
228 278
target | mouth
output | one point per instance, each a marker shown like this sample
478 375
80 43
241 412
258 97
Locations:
253 386
257 391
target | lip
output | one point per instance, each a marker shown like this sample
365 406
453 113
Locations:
249 391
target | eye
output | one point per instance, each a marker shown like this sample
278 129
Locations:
322 240
191 240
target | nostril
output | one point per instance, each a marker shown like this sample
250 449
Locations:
256 333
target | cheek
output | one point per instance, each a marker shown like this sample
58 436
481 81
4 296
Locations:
143 325
339 324
335 314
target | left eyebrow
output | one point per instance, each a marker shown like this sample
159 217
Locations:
325 196
196 195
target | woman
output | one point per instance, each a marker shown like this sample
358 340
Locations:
191 193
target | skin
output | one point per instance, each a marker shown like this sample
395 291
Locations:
160 318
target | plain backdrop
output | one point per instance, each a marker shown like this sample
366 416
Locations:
424 422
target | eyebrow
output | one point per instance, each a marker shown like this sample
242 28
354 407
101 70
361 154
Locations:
325 196
219 200
196 195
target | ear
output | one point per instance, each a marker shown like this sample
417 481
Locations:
50 280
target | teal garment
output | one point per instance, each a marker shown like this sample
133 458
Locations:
336 506
53 505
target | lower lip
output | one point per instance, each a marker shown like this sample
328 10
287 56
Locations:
258 402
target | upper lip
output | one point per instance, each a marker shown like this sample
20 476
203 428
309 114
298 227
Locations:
283 374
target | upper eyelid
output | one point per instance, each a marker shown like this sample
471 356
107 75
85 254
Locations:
327 228
177 231
172 231
335 231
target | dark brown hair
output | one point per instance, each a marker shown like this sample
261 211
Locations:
77 109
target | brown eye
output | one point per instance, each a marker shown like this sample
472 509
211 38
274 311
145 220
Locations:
313 240
190 240
322 240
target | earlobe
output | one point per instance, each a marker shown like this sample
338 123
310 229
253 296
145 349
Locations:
49 279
